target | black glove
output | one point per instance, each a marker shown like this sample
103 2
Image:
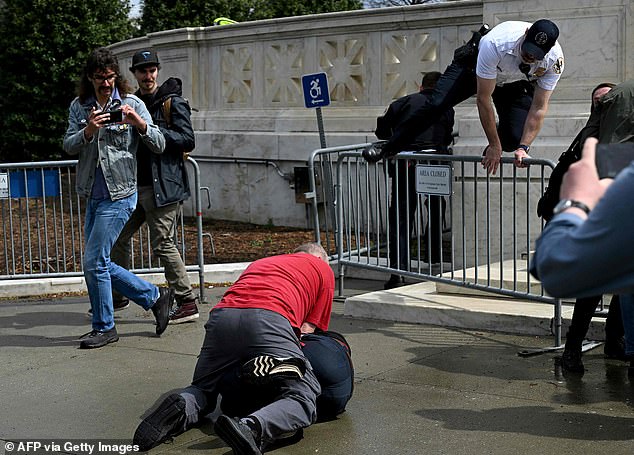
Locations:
374 152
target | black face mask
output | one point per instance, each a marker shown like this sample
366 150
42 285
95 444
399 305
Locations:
525 68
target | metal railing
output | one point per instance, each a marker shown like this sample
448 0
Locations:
487 230
42 220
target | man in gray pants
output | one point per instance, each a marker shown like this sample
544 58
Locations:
256 324
162 183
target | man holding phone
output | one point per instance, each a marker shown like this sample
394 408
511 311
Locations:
106 177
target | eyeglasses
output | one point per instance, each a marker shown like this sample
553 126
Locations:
100 78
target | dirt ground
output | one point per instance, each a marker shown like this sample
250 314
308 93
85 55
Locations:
244 242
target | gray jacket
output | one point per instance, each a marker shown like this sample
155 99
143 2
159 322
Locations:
114 145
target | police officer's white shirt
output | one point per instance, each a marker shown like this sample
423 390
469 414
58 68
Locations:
499 57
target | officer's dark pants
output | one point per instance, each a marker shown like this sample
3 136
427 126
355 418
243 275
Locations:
582 316
402 212
512 102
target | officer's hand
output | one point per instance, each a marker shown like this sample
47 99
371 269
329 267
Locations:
520 154
491 158
374 152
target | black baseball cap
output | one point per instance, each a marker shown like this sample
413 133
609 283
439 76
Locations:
540 38
143 58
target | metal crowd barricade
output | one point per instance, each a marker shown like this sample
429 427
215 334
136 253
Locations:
42 225
488 228
321 172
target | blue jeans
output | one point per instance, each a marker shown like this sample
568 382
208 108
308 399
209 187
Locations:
104 220
627 312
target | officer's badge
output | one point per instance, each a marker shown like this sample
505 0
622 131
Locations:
539 72
558 67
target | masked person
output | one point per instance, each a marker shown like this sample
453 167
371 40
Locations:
514 66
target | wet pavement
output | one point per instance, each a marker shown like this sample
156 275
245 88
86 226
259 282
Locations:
419 389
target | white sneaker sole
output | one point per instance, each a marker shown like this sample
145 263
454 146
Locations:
185 319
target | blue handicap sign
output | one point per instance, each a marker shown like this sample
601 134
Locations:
316 92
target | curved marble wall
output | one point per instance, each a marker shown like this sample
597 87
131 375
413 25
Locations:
244 82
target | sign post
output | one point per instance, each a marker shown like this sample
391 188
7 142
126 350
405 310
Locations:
316 95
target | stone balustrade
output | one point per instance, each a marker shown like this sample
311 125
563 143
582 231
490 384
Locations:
244 82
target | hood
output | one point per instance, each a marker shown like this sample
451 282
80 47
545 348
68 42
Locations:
171 87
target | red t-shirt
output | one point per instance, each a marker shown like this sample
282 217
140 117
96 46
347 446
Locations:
298 286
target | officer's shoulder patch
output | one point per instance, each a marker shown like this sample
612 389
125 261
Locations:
558 66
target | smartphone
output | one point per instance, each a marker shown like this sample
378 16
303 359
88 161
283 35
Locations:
116 116
613 158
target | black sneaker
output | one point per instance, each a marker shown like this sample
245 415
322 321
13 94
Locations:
117 305
166 421
571 362
240 437
97 339
394 282
265 368
161 309
614 348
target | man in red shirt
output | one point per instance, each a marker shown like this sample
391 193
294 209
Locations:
256 324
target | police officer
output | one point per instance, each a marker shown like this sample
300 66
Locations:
518 66
403 200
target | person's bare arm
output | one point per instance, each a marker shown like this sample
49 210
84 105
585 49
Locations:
493 152
534 122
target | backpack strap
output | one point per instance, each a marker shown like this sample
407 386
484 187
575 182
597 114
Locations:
167 111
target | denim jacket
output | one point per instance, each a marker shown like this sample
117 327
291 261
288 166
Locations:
115 146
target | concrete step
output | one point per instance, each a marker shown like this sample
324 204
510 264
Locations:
421 303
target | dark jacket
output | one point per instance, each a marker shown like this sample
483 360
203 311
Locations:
166 173
438 136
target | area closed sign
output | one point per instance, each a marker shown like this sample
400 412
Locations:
433 179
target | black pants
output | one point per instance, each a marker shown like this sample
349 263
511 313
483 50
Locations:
331 364
582 316
512 102
402 212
